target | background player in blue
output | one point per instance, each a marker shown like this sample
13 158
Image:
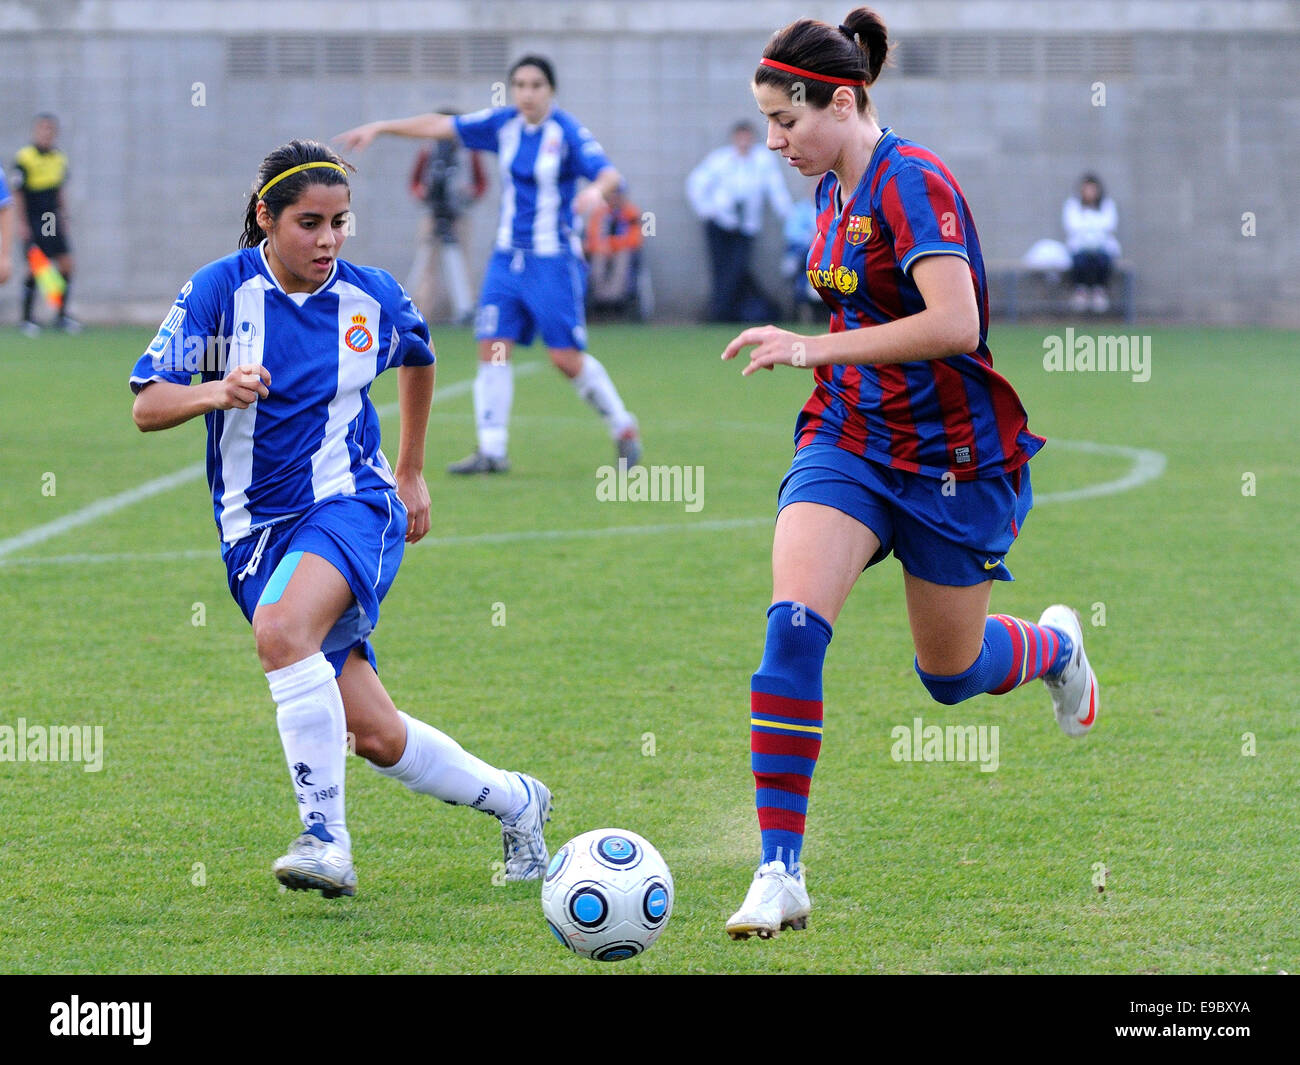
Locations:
536 280
7 212
287 338
910 443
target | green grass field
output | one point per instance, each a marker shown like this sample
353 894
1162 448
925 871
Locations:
621 677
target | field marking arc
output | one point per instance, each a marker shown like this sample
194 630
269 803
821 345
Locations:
1147 466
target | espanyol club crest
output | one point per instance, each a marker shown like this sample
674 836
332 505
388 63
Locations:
858 230
358 337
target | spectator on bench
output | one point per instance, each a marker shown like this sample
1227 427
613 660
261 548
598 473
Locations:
1090 221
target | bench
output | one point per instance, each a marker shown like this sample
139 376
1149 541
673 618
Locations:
1015 288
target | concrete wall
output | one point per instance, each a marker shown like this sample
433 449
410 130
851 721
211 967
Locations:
167 108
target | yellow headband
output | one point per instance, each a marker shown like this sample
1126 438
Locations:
295 169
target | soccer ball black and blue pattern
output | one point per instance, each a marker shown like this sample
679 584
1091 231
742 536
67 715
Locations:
607 894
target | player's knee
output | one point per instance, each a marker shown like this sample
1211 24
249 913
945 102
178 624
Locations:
380 739
280 640
567 360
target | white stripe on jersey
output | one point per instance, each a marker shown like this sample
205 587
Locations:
546 220
248 339
508 147
331 464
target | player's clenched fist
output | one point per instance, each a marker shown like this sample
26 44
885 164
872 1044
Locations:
242 387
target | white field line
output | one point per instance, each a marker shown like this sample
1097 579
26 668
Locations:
1147 466
110 504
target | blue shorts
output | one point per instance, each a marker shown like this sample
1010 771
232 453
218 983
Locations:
946 532
524 292
362 536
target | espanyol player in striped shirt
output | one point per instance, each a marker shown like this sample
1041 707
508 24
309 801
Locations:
910 443
287 338
537 279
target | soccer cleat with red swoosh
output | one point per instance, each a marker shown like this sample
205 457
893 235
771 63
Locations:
1075 695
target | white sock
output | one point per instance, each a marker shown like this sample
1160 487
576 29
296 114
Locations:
598 392
494 392
435 764
309 714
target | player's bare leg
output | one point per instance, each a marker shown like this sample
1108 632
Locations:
961 651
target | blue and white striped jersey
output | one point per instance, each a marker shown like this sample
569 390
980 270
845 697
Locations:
539 166
317 434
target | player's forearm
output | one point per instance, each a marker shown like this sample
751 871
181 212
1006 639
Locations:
163 404
425 127
414 398
931 334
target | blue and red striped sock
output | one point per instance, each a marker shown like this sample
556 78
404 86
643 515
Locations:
785 725
1022 651
1014 652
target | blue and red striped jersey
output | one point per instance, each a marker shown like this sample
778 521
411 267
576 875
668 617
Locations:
952 415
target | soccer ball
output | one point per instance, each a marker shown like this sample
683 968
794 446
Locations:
607 894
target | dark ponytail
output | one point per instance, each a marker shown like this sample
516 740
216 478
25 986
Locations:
856 50
287 190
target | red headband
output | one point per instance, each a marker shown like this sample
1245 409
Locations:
854 82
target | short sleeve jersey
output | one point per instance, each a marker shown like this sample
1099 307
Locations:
316 434
539 168
954 415
40 175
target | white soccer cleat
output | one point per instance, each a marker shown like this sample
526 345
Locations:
777 900
316 864
1075 695
522 840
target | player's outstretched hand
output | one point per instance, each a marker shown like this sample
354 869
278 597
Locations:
414 494
772 347
358 139
588 200
242 387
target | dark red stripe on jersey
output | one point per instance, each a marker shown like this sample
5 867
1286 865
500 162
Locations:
958 425
896 410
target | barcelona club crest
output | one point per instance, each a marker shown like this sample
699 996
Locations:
858 230
358 337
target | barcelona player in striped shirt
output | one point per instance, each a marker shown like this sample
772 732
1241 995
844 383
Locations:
286 339
911 443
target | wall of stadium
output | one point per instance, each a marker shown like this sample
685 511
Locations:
167 108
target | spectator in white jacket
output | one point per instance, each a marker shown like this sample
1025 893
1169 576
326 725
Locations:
727 190
1090 221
